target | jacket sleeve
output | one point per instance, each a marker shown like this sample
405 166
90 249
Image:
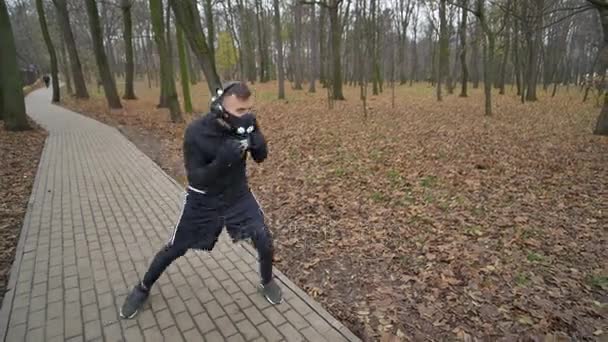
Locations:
200 173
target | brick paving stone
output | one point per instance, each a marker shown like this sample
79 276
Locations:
296 320
112 333
184 321
213 336
269 332
35 335
100 210
204 322
226 326
236 338
290 333
247 329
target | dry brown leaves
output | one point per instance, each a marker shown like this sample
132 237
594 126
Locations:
429 220
19 156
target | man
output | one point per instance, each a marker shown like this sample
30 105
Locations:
46 80
218 195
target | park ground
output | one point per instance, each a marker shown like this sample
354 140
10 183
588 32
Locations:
19 157
424 220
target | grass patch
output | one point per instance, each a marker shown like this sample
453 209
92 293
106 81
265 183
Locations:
598 281
379 197
473 231
428 181
535 257
340 172
522 279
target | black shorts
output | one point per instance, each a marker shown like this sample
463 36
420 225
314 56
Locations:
204 216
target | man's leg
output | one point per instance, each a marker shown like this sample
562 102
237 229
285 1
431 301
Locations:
175 248
161 261
245 220
141 291
198 228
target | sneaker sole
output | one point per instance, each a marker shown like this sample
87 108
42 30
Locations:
261 290
127 317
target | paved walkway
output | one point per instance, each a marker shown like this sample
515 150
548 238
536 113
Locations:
98 212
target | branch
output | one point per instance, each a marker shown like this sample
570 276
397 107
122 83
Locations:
598 3
475 13
566 17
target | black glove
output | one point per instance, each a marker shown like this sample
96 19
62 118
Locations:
256 139
230 152
258 148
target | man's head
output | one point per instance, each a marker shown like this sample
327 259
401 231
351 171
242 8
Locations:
237 99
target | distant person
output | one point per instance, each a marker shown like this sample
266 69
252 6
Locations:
218 194
46 80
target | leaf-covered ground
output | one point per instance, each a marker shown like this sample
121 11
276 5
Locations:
426 220
19 156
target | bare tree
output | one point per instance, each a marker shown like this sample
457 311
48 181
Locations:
105 74
187 17
166 69
463 50
12 105
68 36
126 5
50 48
279 48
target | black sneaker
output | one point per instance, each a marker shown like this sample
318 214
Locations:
272 292
134 302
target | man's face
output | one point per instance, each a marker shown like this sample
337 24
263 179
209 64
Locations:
237 106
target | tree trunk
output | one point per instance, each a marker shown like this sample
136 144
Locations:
443 47
64 23
65 68
50 48
208 9
414 73
279 48
505 57
156 14
488 73
109 87
192 66
12 105
128 33
144 52
322 46
488 55
534 37
248 44
515 57
374 51
183 68
298 45
261 43
314 51
336 42
169 43
449 84
601 126
475 56
187 16
105 32
463 52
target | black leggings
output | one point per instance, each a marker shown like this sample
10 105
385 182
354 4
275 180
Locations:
202 220
170 253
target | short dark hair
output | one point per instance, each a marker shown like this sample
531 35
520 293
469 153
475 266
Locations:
239 89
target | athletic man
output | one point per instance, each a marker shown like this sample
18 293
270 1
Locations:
218 195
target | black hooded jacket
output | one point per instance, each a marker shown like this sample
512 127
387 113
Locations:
203 140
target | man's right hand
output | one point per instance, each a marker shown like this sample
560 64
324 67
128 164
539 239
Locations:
230 152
